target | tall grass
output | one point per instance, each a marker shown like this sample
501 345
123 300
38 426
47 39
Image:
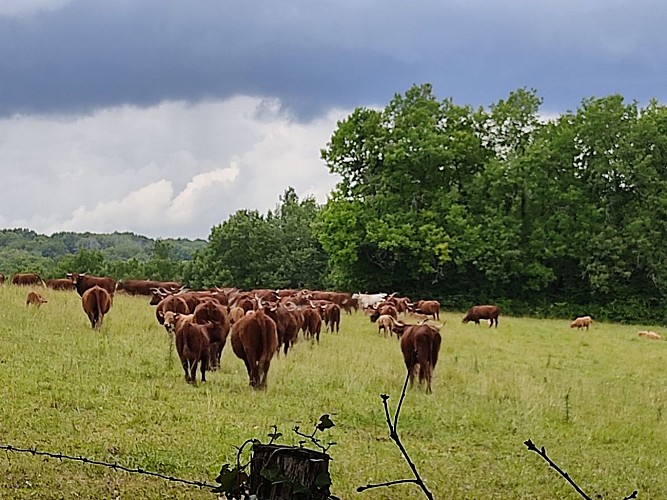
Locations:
596 400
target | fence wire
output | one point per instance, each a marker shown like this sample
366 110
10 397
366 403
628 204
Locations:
115 466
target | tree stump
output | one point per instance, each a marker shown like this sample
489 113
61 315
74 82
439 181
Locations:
288 472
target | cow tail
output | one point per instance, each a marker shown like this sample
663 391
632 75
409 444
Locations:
435 348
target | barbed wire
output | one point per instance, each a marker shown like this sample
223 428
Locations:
115 466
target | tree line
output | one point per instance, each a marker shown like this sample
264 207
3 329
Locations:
466 205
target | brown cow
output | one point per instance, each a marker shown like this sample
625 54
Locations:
312 322
96 303
490 312
384 310
27 279
2 278
144 287
420 345
331 315
255 341
428 307
192 344
582 322
35 299
83 282
214 316
59 284
171 303
287 326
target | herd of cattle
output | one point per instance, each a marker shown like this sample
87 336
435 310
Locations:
260 322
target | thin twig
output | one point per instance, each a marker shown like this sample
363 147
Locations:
393 434
542 452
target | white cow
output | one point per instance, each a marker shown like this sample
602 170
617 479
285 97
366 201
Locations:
369 300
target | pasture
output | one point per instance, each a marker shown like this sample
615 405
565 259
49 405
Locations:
596 400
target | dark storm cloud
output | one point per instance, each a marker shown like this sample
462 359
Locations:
313 55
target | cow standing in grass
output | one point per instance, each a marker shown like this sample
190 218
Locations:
214 316
255 341
490 312
420 345
96 302
192 344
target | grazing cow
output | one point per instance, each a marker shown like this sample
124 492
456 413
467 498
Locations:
27 279
214 316
96 303
192 344
428 307
35 299
420 345
490 312
59 284
581 322
385 323
2 278
384 310
83 282
649 335
368 300
255 341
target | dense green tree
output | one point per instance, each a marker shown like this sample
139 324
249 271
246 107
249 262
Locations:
251 250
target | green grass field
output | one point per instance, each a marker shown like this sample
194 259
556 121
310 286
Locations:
594 399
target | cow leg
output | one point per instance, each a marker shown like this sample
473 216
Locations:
185 365
193 371
255 375
204 365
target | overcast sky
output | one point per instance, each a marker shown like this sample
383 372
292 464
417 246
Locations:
164 117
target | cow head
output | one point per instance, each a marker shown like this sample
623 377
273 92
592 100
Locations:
170 320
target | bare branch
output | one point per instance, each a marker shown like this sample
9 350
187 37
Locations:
542 452
393 434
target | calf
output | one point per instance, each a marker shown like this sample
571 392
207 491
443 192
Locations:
35 299
581 322
489 312
255 341
649 335
192 344
420 345
96 302
385 323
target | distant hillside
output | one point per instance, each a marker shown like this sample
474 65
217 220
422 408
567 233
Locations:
25 250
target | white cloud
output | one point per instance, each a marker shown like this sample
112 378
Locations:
172 170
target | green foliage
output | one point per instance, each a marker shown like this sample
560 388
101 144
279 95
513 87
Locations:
497 205
251 250
120 255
